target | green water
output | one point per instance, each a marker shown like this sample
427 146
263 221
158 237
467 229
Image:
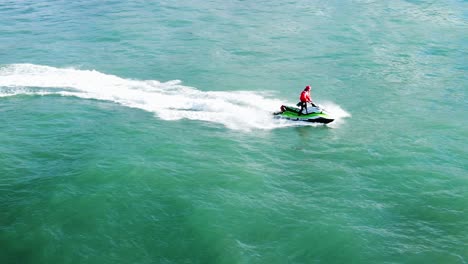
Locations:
105 157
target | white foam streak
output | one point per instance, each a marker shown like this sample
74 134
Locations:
336 112
171 100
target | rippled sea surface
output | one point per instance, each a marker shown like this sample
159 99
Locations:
141 132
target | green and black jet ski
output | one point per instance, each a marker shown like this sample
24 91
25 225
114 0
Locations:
314 114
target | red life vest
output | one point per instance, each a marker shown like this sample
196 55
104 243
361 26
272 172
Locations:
305 96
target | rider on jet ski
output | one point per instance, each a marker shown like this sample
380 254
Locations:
305 98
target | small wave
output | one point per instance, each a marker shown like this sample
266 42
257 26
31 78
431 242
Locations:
240 110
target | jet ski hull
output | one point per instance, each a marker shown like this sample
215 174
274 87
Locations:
316 115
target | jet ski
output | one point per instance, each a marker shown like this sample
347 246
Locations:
313 114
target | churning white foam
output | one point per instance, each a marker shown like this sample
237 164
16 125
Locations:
243 110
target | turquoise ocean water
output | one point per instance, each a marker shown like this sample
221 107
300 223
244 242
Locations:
141 132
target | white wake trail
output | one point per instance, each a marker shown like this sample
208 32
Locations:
240 110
